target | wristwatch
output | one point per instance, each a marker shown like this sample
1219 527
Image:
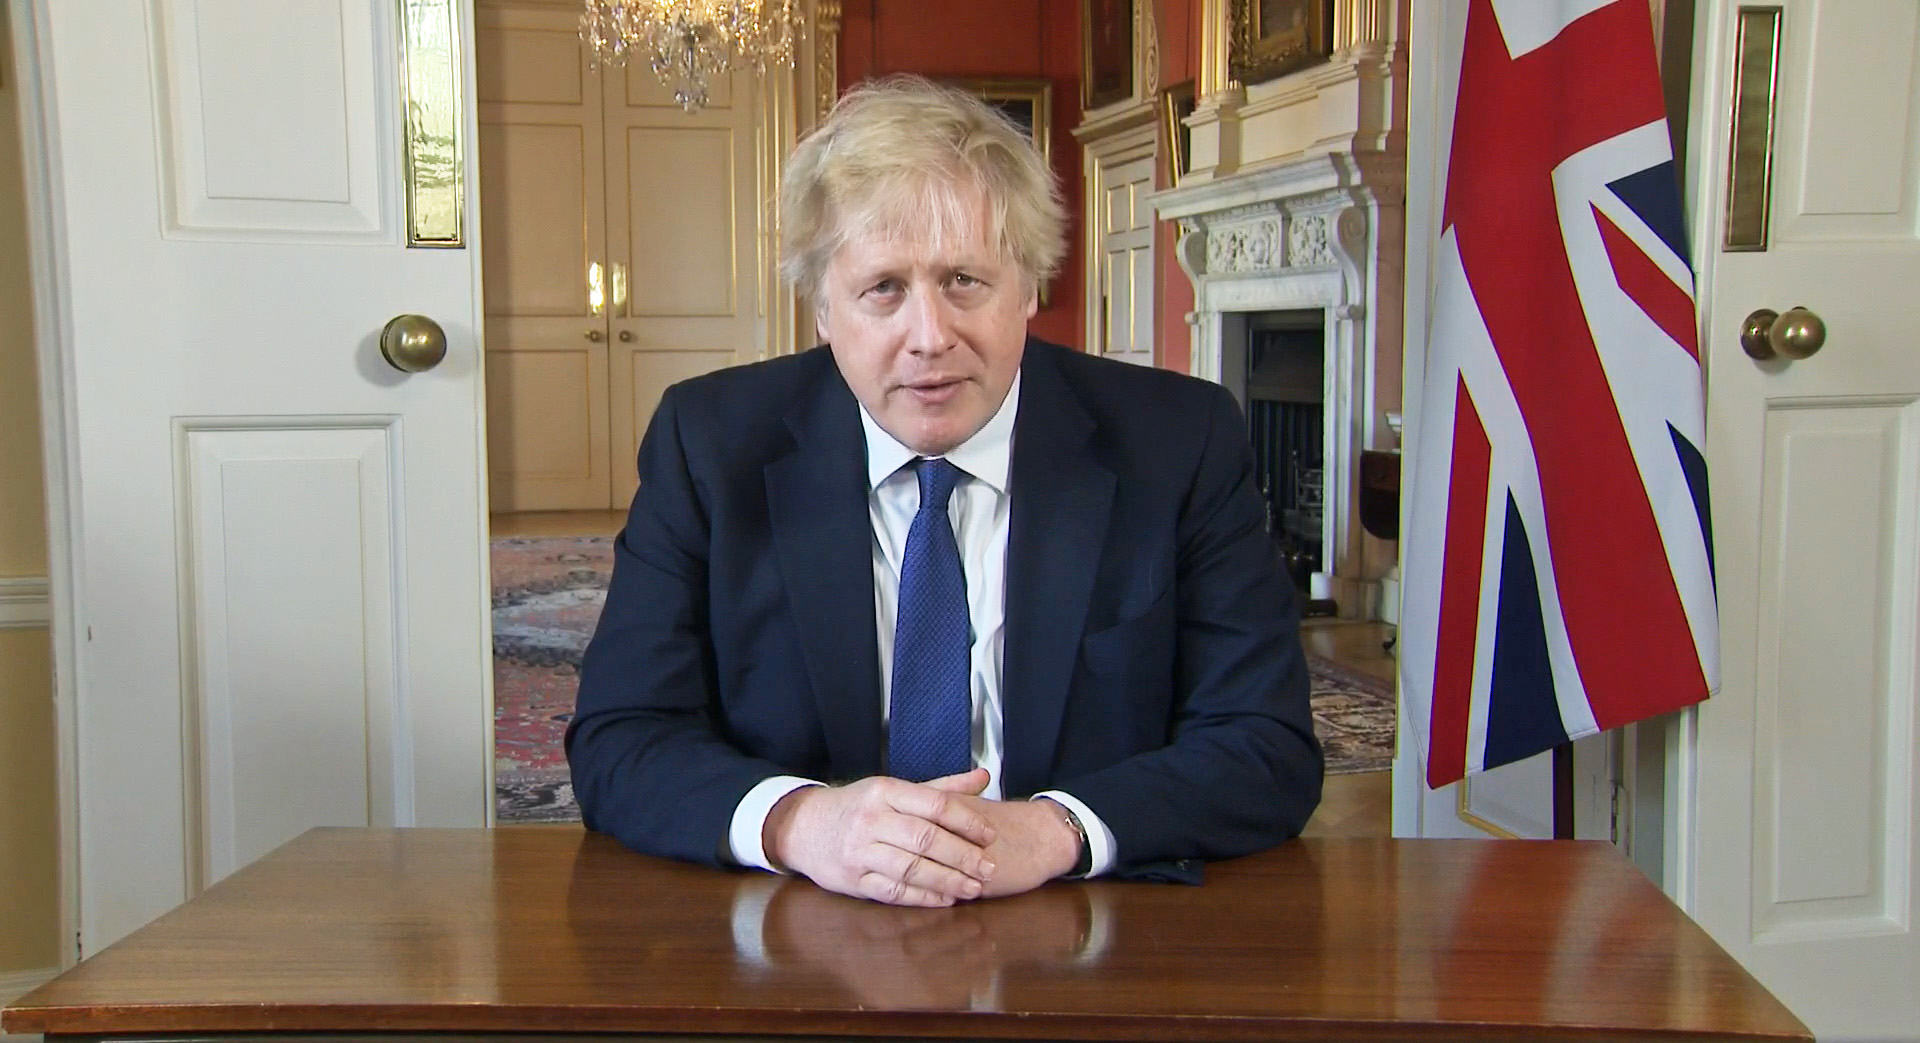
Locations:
1084 863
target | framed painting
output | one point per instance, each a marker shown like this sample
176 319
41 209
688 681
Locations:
1106 59
1270 38
1028 103
1176 104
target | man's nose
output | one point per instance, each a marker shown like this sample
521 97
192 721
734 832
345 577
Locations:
931 316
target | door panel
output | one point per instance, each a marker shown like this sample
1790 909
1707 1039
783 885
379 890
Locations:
650 373
1834 498
1804 849
543 208
547 419
681 229
535 205
327 656
274 121
280 558
1125 329
1833 111
680 191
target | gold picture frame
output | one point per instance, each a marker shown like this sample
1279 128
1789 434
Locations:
1176 104
1029 104
1270 38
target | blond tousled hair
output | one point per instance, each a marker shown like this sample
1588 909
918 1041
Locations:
904 157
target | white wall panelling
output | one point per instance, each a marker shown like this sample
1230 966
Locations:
276 119
292 633
23 602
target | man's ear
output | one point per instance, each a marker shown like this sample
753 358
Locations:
820 321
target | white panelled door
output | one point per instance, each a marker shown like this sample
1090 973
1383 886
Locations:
1118 169
1804 850
280 556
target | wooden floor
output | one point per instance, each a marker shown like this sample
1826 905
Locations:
1353 805
1350 805
557 523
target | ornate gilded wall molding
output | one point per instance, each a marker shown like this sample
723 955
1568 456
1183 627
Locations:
1358 22
1213 75
1148 16
826 57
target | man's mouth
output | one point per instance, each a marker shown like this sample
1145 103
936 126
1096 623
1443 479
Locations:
934 390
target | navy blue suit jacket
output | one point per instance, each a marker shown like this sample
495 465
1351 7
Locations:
1152 663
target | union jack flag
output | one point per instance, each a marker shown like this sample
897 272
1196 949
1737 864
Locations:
1559 562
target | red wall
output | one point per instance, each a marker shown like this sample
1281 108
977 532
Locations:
1179 60
1006 38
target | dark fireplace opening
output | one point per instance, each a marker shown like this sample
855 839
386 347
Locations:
1286 418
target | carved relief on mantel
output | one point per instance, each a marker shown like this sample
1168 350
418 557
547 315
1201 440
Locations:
1273 237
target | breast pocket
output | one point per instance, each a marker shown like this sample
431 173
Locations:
1137 653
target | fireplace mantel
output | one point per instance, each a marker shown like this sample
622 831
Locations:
1316 233
1302 234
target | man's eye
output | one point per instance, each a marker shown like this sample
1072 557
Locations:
963 279
885 286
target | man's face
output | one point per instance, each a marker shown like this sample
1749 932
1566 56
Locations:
929 337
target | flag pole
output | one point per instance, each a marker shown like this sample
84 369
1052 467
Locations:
1563 791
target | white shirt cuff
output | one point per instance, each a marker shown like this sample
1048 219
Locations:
750 819
1100 842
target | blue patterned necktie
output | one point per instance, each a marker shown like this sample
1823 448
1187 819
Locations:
929 721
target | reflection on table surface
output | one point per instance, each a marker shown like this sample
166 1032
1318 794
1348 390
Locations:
893 958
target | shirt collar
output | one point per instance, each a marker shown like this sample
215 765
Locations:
987 456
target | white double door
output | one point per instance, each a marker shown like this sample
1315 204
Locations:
279 586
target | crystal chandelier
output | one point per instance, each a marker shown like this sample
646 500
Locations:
687 41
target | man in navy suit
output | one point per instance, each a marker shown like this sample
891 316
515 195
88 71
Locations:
940 611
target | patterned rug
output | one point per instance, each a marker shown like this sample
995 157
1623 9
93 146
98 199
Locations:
1353 716
547 595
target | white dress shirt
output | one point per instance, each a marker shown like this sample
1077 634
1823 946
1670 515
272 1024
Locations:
979 510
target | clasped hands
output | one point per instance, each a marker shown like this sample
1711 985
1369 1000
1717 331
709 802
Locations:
923 844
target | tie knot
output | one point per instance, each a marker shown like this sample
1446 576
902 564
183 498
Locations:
937 479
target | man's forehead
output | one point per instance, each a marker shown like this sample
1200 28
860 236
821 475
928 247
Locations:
862 252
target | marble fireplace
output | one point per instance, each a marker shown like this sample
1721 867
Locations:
1295 207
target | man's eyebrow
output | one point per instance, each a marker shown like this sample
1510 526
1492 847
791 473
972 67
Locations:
865 273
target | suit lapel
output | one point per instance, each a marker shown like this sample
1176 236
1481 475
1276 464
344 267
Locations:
817 505
1061 501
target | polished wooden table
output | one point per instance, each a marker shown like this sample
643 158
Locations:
555 932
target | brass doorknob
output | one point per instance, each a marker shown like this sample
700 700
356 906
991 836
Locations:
594 336
1795 334
626 336
413 343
